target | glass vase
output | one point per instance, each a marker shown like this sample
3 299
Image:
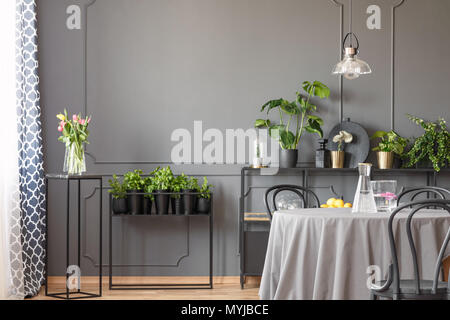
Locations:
74 159
364 201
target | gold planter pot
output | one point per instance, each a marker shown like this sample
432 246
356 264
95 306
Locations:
337 159
385 160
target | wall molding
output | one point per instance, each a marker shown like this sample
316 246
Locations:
166 162
341 55
394 7
341 7
396 4
90 257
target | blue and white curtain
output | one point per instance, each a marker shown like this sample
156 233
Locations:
31 171
22 193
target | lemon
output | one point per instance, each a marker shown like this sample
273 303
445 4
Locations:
324 206
348 205
330 201
339 203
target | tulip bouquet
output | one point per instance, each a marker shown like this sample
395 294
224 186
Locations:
74 134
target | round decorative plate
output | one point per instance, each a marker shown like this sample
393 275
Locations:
358 150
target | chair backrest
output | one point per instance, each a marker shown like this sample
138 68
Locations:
416 207
303 194
440 193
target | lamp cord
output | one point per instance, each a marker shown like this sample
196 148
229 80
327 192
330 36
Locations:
351 23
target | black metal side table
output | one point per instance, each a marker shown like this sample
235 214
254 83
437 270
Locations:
73 294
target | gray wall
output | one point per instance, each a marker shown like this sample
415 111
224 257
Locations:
143 68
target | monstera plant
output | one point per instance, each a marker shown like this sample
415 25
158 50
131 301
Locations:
296 118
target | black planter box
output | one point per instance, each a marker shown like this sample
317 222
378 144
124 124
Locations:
203 205
162 202
189 201
147 205
177 205
120 206
135 202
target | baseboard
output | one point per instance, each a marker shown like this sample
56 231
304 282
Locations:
176 279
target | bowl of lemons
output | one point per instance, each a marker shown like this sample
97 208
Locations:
336 203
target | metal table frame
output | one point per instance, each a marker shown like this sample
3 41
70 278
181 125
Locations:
161 286
305 172
68 294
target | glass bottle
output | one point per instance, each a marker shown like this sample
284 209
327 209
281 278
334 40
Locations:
258 153
364 201
323 159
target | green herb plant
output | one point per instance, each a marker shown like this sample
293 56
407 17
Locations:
178 184
192 184
118 189
148 185
133 180
162 179
205 189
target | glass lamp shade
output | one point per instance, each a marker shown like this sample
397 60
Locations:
352 67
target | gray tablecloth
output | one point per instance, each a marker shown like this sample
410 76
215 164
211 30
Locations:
325 253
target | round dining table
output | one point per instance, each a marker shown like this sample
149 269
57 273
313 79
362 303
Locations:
334 254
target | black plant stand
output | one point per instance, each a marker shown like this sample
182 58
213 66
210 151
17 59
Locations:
78 294
165 286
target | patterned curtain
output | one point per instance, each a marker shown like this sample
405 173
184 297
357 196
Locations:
31 172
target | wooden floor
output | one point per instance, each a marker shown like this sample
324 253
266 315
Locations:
226 288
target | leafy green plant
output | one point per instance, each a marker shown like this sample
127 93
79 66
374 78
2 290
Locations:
163 179
178 184
390 142
118 189
299 111
133 180
205 189
433 145
148 185
192 184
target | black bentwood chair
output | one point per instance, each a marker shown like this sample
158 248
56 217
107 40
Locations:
416 289
302 193
413 193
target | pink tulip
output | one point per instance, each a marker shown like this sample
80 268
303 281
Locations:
60 129
62 124
89 120
82 122
75 118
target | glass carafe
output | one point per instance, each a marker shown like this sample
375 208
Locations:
364 201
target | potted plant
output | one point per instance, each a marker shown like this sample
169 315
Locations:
433 146
390 144
148 198
179 183
134 185
119 196
299 111
162 181
338 156
189 199
204 199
